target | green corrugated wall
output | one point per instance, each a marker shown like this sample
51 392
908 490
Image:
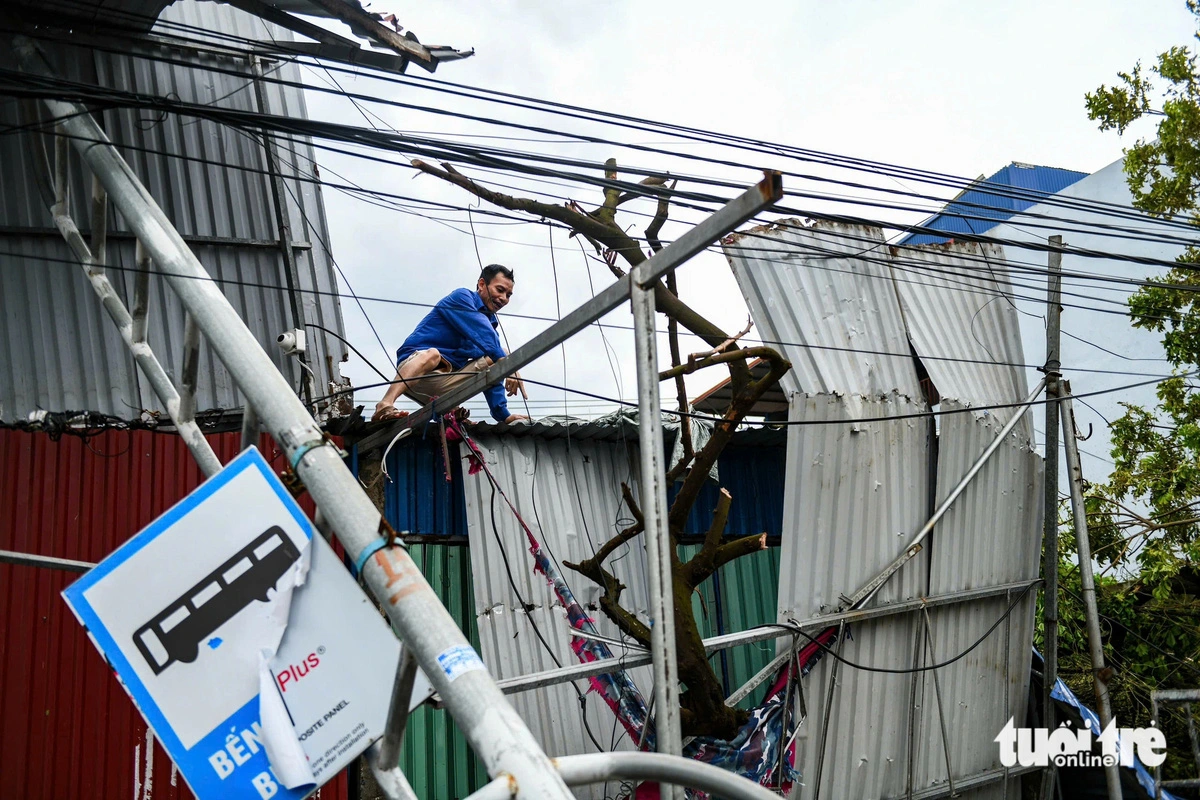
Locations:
436 758
741 595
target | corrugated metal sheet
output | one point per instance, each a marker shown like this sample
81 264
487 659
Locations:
754 476
952 311
813 295
991 536
571 498
69 728
58 350
418 499
986 203
856 491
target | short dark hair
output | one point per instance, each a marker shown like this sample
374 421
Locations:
492 270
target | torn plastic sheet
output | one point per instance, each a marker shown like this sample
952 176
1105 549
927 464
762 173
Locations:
288 761
325 686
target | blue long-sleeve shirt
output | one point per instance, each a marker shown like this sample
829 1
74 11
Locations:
462 329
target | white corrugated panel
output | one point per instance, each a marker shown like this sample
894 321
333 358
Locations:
58 350
823 296
569 493
857 490
992 535
962 322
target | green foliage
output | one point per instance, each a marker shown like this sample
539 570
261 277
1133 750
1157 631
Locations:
1145 519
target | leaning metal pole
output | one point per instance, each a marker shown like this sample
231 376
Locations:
494 730
1084 549
657 534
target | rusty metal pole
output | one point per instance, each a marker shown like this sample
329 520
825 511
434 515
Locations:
1050 518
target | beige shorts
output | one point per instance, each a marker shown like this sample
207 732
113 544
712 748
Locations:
435 384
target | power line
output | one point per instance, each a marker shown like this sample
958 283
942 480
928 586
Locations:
18 260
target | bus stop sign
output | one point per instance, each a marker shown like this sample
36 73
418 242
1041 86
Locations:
255 658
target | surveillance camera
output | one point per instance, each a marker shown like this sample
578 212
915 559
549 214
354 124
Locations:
291 342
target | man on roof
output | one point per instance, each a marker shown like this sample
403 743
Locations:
453 342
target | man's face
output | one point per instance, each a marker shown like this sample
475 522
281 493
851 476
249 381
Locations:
497 293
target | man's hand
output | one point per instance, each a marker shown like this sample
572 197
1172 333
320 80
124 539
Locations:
516 418
514 384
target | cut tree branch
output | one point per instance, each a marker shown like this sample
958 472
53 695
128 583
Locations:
721 347
719 358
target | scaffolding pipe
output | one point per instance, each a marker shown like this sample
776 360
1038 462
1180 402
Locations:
494 730
591 768
1088 581
657 533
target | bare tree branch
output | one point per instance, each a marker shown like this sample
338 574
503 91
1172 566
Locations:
721 347
719 358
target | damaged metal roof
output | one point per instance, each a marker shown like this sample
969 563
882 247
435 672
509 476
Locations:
827 309
854 316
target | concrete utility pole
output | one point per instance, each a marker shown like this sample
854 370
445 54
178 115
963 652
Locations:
1083 546
1050 519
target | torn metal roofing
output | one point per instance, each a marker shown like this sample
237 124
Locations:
853 316
827 309
961 320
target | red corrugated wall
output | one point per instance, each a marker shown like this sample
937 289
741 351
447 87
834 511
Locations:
67 728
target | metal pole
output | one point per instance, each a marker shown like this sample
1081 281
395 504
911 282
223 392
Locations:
397 720
833 671
713 644
283 224
250 425
1050 512
1084 548
591 768
657 534
494 730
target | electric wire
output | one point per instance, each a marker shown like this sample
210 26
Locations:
905 670
19 258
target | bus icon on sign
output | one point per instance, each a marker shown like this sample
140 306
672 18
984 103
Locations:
176 632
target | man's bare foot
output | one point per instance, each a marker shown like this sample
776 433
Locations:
383 413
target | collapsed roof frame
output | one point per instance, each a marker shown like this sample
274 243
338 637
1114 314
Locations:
494 730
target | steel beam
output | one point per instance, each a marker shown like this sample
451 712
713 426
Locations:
494 730
657 536
732 214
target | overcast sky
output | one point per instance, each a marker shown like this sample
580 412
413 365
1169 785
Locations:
960 88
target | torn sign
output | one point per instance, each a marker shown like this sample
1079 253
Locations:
226 589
